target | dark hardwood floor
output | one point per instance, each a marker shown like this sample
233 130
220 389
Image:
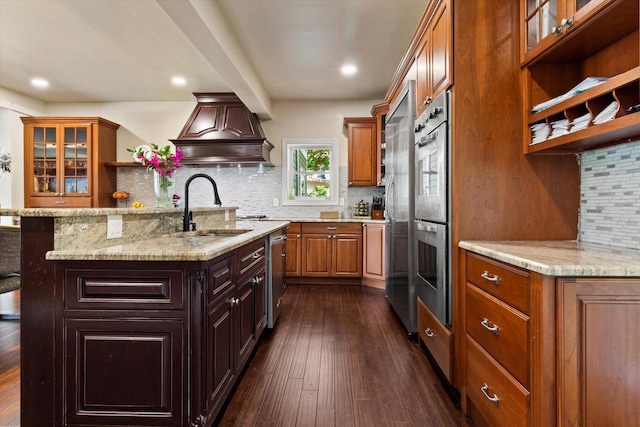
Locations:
10 361
337 357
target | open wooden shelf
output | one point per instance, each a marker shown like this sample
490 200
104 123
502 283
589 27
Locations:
623 88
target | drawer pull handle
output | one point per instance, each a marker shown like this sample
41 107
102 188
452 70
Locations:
234 301
492 278
256 255
493 399
428 332
493 329
332 228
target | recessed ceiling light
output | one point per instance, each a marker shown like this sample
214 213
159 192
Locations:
349 70
38 82
178 81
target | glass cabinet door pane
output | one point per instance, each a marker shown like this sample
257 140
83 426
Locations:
44 159
75 160
541 17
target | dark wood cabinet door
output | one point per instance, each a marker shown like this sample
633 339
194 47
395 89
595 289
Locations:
260 296
245 321
220 353
347 255
123 372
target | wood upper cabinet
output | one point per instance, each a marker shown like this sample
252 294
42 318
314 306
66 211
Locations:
599 352
560 61
547 21
362 140
433 56
332 250
294 250
379 111
65 162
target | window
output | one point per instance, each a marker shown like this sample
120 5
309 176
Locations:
310 171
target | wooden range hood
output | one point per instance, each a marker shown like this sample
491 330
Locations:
222 131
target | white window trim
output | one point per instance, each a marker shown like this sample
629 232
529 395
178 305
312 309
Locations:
290 144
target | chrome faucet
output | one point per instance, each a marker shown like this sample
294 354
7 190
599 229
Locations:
187 220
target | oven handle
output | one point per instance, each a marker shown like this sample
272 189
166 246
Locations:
427 139
427 228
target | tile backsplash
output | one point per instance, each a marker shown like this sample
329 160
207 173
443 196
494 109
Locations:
251 189
610 196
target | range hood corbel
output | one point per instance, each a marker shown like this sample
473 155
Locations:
222 131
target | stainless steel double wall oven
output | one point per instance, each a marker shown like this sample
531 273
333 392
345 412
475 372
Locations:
432 250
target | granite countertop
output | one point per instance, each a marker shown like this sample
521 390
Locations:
561 258
301 219
181 246
78 212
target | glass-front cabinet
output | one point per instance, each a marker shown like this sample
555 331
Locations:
65 162
546 20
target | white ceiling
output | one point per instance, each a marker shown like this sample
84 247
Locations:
127 50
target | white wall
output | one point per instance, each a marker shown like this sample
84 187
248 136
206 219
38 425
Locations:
145 122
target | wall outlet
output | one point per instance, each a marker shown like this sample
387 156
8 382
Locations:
114 226
276 202
341 201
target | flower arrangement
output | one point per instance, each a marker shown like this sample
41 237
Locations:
164 160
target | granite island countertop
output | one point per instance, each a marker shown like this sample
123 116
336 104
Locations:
562 257
200 245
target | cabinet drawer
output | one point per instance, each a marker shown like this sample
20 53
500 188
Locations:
509 284
512 407
501 330
123 289
332 228
294 228
252 255
437 338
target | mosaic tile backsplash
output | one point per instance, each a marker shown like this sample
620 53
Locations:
251 189
610 196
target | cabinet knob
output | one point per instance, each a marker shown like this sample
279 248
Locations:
298 236
428 332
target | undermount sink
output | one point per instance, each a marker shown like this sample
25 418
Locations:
214 232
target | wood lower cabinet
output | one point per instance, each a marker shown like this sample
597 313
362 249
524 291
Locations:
543 350
294 250
151 343
65 162
599 352
373 255
332 250
437 338
509 349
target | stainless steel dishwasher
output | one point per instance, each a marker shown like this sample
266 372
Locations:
277 284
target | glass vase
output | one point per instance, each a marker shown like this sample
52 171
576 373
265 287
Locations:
164 186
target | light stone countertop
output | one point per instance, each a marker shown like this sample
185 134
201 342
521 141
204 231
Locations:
84 212
180 246
561 258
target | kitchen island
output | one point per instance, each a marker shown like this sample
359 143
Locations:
552 333
152 327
